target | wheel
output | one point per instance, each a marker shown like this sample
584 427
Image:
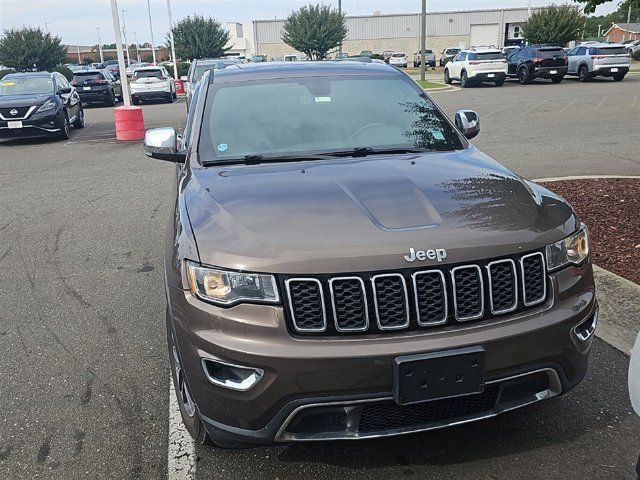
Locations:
79 121
499 82
583 74
65 128
170 97
415 64
556 79
447 78
112 99
135 101
523 76
188 409
464 80
618 77
175 96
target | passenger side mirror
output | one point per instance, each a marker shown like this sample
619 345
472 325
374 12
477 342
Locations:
161 143
64 90
468 122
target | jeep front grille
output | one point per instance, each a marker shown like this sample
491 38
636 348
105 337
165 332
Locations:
414 299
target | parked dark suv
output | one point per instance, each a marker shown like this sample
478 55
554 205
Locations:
38 104
337 268
97 86
537 61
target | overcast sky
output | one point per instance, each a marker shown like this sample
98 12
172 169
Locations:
76 20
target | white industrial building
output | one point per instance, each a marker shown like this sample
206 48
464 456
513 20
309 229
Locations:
401 32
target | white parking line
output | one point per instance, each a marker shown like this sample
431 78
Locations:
568 105
181 461
529 110
601 103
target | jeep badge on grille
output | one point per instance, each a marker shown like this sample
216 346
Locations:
421 255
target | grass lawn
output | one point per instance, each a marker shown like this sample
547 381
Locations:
429 85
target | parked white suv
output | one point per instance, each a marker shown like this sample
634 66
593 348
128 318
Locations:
601 59
152 83
398 59
477 65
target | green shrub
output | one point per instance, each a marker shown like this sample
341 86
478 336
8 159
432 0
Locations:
376 56
68 74
636 55
183 69
6 72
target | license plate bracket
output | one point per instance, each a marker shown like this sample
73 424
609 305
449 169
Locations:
438 375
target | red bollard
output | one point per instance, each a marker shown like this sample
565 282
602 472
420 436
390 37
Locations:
129 123
179 87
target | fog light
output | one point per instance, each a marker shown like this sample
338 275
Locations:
231 376
588 327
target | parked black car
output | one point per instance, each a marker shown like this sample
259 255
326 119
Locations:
537 61
38 104
97 86
114 70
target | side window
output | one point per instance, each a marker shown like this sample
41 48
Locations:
582 51
61 81
472 56
593 51
192 67
457 57
186 136
462 56
572 52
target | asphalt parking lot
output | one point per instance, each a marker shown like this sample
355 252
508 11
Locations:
82 336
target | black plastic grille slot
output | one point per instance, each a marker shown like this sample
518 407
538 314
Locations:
431 297
534 279
349 302
503 289
468 295
390 299
306 302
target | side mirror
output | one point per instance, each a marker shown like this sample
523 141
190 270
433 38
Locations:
64 90
161 143
184 78
468 122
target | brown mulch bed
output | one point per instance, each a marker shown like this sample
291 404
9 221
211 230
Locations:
611 210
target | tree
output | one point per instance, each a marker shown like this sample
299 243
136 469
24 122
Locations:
199 37
554 24
591 5
28 47
619 16
314 30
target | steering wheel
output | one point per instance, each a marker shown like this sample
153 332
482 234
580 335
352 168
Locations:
364 128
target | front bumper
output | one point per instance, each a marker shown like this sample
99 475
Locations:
37 125
338 375
545 72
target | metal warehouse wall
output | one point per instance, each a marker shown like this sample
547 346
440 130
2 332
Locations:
403 25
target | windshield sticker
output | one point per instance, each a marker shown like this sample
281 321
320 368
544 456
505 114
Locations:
322 99
223 147
437 134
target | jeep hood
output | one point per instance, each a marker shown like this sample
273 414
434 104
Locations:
364 214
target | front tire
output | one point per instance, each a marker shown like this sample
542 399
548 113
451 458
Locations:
135 101
170 97
583 74
65 127
112 99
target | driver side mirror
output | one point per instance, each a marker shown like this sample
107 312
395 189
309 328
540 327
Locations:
64 90
468 122
162 143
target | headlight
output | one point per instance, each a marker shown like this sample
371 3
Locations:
573 249
48 105
225 288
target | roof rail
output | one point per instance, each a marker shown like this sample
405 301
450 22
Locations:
475 47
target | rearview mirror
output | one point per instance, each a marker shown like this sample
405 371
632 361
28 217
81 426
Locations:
161 143
468 122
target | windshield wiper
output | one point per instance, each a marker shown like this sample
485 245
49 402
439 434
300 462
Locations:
364 151
258 159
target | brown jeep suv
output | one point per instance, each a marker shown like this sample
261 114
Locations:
342 263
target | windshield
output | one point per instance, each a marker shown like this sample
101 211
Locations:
312 115
26 85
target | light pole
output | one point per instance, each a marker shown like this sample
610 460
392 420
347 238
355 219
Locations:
123 76
423 40
153 45
135 38
100 44
46 26
599 30
529 9
124 33
173 47
340 12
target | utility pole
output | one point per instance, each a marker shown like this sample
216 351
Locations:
423 40
153 45
100 44
529 10
624 35
46 26
135 38
123 76
173 47
79 56
124 33
599 30
340 12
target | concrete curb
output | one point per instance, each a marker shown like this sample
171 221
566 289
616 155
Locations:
582 177
619 318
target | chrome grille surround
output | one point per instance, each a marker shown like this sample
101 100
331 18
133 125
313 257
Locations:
335 309
514 285
405 324
414 277
292 309
523 281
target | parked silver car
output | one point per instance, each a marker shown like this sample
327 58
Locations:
602 59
